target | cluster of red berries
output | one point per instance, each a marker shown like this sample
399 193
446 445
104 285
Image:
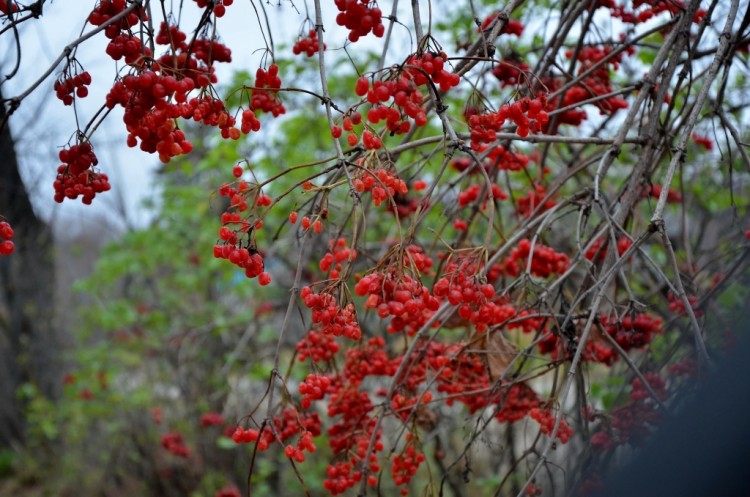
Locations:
527 204
350 436
383 184
360 17
107 9
287 425
6 234
598 250
546 420
407 103
219 6
678 307
703 141
235 229
264 96
175 444
330 316
400 297
308 45
317 346
4 7
75 176
509 72
431 66
471 194
305 443
65 88
211 419
544 262
313 388
337 254
527 114
475 300
654 190
228 491
245 435
654 8
632 331
512 27
405 466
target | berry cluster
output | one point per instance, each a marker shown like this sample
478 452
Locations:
654 190
632 331
383 184
331 317
211 419
405 466
65 88
264 96
544 262
6 235
678 307
107 9
512 27
317 346
527 204
509 72
471 194
598 250
245 435
546 420
527 114
313 388
4 7
228 491
400 297
305 443
308 45
237 234
337 254
76 177
219 6
360 17
350 436
432 66
175 444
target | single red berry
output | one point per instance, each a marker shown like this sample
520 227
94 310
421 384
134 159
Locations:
237 171
264 278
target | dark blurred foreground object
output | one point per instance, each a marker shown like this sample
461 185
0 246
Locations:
704 448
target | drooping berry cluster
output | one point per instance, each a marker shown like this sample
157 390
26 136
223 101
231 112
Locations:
529 203
360 17
632 331
472 193
546 420
308 45
544 262
264 96
528 115
76 176
678 307
331 317
66 87
313 388
6 234
405 466
333 259
317 346
598 250
175 444
383 184
211 419
236 233
219 6
399 297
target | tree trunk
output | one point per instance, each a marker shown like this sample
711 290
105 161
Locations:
29 351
